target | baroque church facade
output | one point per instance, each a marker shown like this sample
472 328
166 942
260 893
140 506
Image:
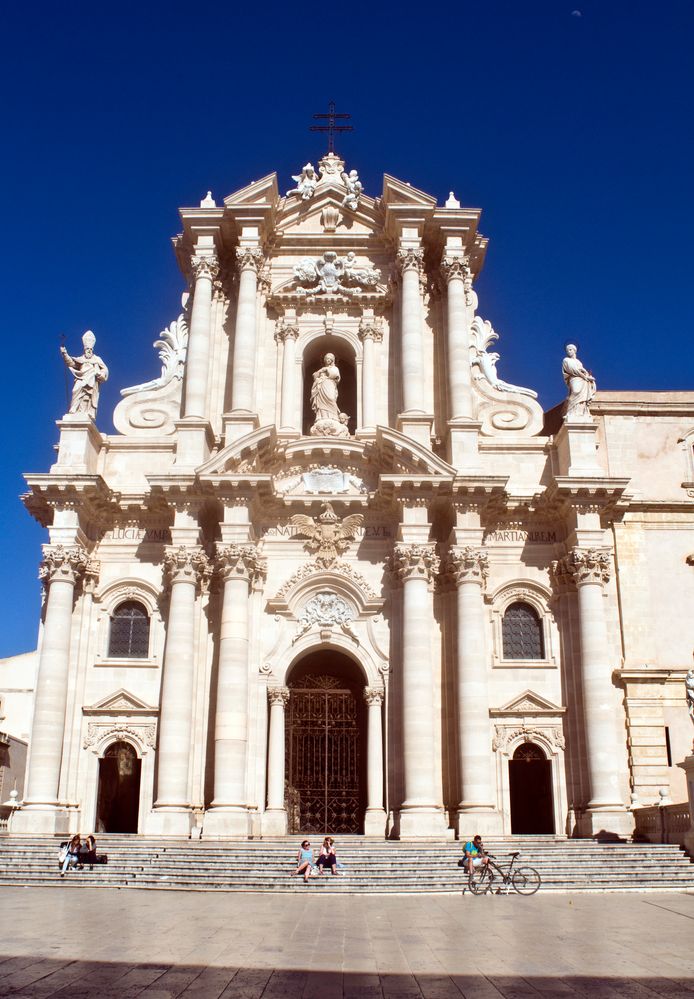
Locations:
332 573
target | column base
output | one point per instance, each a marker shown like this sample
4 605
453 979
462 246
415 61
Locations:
610 822
237 424
423 822
274 822
194 442
473 821
375 822
37 820
223 823
177 822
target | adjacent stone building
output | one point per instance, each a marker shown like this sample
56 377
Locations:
332 573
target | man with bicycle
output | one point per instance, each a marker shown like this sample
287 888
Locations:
475 854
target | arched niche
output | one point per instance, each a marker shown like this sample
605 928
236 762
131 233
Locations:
314 350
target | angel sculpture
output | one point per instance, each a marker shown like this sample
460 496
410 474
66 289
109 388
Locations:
306 183
327 537
354 187
305 271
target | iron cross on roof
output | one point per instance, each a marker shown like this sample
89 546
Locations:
331 127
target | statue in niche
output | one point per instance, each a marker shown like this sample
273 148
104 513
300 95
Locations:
89 371
306 183
329 422
580 383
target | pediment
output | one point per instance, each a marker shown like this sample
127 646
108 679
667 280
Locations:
399 192
526 704
260 192
122 702
301 218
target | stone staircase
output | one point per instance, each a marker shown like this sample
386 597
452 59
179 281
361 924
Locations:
369 866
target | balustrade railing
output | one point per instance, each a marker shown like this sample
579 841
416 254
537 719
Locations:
662 823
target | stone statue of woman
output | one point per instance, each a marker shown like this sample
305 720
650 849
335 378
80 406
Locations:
329 422
581 386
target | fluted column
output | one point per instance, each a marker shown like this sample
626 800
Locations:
456 271
275 817
186 570
415 565
410 262
244 355
369 334
61 569
469 568
205 269
287 334
590 569
375 818
238 565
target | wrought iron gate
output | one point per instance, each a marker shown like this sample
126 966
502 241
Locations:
323 765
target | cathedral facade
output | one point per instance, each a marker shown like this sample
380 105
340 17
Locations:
332 573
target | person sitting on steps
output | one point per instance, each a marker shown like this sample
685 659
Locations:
328 857
475 854
304 860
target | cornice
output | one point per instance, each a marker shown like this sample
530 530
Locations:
49 491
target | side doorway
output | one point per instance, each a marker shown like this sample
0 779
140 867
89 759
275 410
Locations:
118 800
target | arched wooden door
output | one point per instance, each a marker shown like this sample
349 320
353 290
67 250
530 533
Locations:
530 785
118 802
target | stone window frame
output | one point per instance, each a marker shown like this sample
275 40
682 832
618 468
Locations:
536 596
107 601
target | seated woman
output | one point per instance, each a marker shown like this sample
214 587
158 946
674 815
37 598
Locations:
304 860
72 857
88 852
327 856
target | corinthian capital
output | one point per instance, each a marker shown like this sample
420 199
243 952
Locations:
410 259
585 565
278 695
373 695
414 562
205 267
186 565
249 257
286 331
455 267
468 565
240 562
66 564
370 329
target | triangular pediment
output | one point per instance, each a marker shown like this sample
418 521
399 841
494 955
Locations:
260 192
399 192
122 702
528 703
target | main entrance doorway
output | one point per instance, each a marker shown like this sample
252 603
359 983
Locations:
324 752
118 803
530 784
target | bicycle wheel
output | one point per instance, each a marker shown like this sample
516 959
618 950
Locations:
480 880
526 880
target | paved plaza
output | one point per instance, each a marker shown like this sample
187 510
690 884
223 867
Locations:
99 943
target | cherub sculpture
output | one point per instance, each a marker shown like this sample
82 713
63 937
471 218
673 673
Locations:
306 183
327 537
354 187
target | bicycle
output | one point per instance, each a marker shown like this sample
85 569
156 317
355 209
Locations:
524 880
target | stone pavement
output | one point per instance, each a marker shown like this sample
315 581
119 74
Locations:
159 945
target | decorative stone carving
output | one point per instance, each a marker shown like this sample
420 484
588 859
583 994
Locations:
172 344
310 569
327 536
205 267
373 695
354 190
69 564
689 692
455 267
410 259
189 565
585 565
330 167
371 329
581 386
240 562
330 218
501 407
467 565
278 695
286 331
145 735
329 422
505 736
414 561
249 257
332 275
483 336
89 371
306 182
326 480
325 610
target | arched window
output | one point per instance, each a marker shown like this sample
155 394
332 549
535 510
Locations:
129 635
521 631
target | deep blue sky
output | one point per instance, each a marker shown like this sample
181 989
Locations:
573 133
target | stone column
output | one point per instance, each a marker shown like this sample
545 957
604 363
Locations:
275 817
205 270
228 814
470 567
249 259
287 334
61 570
369 334
590 568
186 568
416 565
455 271
410 262
375 818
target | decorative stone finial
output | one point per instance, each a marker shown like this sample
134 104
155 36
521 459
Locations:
208 201
452 201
